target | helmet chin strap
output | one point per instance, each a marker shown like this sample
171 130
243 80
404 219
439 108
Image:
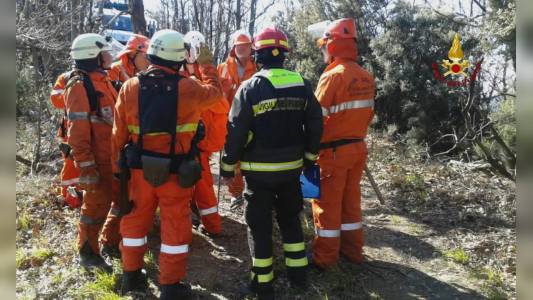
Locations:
100 62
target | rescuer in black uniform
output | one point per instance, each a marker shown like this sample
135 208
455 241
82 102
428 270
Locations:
274 130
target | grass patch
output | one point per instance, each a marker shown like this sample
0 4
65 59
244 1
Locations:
415 229
23 222
58 278
396 220
103 287
42 254
493 283
35 258
458 255
20 258
412 184
495 293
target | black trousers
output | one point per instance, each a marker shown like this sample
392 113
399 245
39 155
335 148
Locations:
285 198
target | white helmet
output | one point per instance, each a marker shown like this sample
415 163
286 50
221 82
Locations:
167 44
195 39
317 30
88 45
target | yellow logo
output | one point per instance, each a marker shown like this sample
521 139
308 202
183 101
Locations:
456 65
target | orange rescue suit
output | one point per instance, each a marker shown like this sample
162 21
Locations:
346 93
215 119
69 173
173 200
230 80
90 139
121 70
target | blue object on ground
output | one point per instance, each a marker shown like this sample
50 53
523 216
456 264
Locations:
310 181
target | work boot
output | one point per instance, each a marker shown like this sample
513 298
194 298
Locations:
246 290
263 291
236 202
298 278
175 291
91 261
133 281
265 294
110 251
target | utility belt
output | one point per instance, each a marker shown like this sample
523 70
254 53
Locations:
338 143
157 167
134 158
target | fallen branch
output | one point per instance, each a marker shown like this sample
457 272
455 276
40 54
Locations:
374 186
40 166
23 160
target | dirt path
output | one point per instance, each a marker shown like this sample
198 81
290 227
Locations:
402 263
408 256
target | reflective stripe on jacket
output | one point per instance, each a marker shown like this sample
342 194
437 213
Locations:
274 120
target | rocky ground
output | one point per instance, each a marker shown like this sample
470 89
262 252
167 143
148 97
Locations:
446 231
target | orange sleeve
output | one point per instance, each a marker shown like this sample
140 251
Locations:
120 134
225 79
78 112
114 73
56 95
204 93
326 91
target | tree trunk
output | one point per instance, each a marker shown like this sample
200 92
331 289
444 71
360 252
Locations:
238 15
209 37
184 25
137 17
101 14
253 11
175 16
74 13
37 75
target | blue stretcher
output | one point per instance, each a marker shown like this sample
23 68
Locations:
310 182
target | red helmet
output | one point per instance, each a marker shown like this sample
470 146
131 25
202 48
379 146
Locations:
135 43
339 30
271 37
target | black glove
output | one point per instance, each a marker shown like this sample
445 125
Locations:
65 149
227 174
309 163
117 84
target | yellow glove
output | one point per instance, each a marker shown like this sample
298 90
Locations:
205 56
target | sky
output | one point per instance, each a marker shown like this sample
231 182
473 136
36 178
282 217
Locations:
264 21
443 6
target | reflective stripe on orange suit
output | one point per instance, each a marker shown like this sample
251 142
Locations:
346 93
90 139
69 173
121 70
173 200
229 78
215 119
